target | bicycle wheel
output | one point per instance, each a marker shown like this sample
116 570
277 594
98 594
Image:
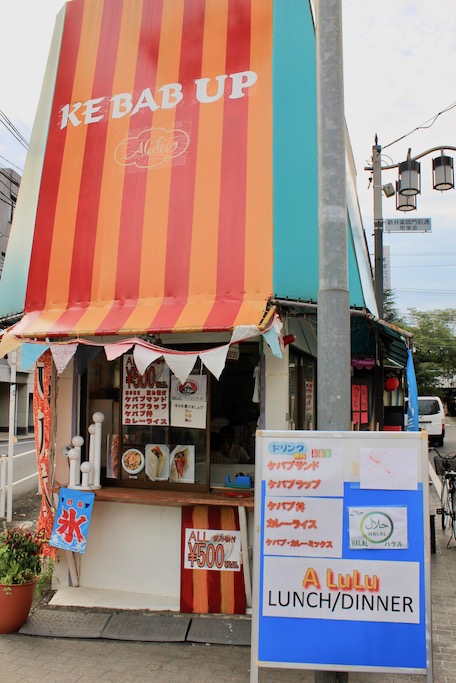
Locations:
446 504
453 509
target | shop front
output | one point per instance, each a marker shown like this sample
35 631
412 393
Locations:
165 244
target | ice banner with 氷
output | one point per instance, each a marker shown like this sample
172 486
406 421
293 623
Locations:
72 519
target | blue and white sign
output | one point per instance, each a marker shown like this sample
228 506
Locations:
342 552
72 519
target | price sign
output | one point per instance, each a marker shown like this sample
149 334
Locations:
212 549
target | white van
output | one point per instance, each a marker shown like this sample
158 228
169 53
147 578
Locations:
431 417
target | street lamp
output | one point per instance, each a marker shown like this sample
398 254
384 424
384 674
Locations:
408 187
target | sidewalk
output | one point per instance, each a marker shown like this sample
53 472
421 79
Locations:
125 647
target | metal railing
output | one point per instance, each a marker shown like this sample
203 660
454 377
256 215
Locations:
4 489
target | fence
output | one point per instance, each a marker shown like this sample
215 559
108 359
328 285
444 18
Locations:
6 490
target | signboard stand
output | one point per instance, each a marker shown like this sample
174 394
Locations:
341 553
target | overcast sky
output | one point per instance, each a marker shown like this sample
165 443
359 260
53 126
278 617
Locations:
400 68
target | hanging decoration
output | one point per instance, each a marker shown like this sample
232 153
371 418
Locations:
181 363
391 384
72 520
42 426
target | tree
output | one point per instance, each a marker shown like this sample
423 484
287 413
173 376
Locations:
390 310
434 341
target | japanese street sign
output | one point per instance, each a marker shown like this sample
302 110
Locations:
407 225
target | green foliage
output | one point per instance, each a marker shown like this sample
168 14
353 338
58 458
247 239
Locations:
390 310
434 341
21 557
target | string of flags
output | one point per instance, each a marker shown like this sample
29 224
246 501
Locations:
181 363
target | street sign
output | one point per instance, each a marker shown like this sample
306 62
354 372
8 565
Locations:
407 225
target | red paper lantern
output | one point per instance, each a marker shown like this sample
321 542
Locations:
391 383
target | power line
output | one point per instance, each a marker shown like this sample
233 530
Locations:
19 168
9 125
429 292
426 265
426 124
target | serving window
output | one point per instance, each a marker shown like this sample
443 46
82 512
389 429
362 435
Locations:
160 433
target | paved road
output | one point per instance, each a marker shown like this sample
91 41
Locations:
31 659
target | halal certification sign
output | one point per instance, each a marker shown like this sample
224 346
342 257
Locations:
376 527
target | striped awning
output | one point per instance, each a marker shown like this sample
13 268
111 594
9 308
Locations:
155 205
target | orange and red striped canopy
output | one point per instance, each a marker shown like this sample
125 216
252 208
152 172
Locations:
155 204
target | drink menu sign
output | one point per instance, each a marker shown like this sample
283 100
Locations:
342 524
145 398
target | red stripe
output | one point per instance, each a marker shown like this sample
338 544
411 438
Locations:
231 248
239 585
186 590
135 181
182 188
92 173
232 221
213 577
45 215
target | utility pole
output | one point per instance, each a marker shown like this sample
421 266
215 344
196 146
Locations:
378 274
378 225
333 379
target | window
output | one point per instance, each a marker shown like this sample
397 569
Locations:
158 433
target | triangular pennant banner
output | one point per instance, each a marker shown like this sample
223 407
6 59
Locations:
181 364
62 354
214 359
144 357
8 343
85 355
30 354
242 332
274 338
113 351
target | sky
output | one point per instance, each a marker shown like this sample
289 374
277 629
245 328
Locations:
399 75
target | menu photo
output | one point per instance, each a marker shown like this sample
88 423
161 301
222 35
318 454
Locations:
182 468
157 462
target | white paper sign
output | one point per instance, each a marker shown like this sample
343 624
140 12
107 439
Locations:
212 549
290 468
303 527
145 398
388 468
189 402
377 528
341 589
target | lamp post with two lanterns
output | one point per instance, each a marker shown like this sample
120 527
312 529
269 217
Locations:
408 186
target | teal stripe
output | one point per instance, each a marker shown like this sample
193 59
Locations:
295 168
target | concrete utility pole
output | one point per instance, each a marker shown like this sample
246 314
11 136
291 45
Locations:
333 409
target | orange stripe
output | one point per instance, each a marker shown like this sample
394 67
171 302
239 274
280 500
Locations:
203 259
227 601
107 240
156 209
200 587
68 191
259 216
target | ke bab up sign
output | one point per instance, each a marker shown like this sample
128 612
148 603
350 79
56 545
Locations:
166 97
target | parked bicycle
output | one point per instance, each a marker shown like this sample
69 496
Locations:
445 467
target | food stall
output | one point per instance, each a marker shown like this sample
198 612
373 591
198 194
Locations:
166 218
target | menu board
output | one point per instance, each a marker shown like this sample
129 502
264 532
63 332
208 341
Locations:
145 398
342 524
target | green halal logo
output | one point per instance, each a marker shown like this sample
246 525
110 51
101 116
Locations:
376 527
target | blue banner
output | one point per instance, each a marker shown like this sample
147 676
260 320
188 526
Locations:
412 407
71 523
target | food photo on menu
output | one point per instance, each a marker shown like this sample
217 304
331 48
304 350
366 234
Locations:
133 461
182 467
157 462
